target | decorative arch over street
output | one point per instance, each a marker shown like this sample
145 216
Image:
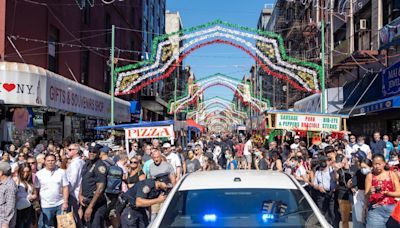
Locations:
268 52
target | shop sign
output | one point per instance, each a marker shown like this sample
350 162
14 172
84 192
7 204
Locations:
391 80
377 106
390 34
22 88
150 132
307 122
70 96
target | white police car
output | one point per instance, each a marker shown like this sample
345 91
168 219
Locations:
239 199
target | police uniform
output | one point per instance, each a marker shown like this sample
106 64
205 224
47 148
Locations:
133 216
93 173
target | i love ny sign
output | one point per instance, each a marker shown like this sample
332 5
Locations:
21 88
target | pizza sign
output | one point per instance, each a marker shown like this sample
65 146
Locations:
150 132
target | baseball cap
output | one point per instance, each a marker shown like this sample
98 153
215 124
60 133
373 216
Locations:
166 145
163 177
94 147
361 155
5 167
296 137
105 149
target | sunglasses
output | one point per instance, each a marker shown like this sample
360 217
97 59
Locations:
134 162
70 149
31 163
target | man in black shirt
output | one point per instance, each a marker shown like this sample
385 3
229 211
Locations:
143 194
91 195
378 146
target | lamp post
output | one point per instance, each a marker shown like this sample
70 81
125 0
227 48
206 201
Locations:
112 73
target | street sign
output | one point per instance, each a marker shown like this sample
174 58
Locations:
150 132
303 122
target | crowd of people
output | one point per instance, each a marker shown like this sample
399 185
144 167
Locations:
348 179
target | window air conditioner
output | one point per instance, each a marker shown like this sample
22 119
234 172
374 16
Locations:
363 24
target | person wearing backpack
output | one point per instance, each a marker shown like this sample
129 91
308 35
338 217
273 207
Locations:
113 186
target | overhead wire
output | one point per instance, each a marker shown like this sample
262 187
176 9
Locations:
62 24
65 43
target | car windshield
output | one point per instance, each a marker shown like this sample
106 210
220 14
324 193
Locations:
239 208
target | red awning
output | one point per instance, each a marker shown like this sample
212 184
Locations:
192 123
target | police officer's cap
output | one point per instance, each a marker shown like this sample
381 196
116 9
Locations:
94 147
105 149
323 158
163 177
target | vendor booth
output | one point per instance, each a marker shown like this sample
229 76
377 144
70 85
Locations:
145 130
310 125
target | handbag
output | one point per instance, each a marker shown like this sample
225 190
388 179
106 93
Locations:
66 220
394 219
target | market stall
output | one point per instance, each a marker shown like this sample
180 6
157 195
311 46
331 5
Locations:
308 125
145 130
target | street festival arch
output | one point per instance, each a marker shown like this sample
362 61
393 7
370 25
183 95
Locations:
268 52
215 101
193 91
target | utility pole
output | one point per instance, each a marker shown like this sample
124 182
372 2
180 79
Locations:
175 88
287 95
323 94
112 73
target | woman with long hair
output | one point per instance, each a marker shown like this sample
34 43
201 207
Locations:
381 189
357 186
276 162
135 172
25 196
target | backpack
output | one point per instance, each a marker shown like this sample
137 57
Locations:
114 180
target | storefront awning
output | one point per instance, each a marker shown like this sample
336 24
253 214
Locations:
29 85
192 123
376 106
142 124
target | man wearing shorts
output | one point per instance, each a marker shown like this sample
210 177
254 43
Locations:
247 152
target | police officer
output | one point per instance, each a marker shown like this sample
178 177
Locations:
141 196
91 196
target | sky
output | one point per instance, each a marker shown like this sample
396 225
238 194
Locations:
218 58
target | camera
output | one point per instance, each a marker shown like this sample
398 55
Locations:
378 189
168 190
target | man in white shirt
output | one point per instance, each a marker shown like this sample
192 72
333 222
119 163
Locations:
362 146
52 189
74 176
247 151
133 152
173 159
296 143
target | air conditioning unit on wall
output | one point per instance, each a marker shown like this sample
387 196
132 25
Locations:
363 24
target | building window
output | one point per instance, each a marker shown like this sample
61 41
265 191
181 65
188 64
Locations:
133 14
107 25
86 14
53 49
85 67
133 53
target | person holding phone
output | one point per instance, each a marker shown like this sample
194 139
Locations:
381 189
